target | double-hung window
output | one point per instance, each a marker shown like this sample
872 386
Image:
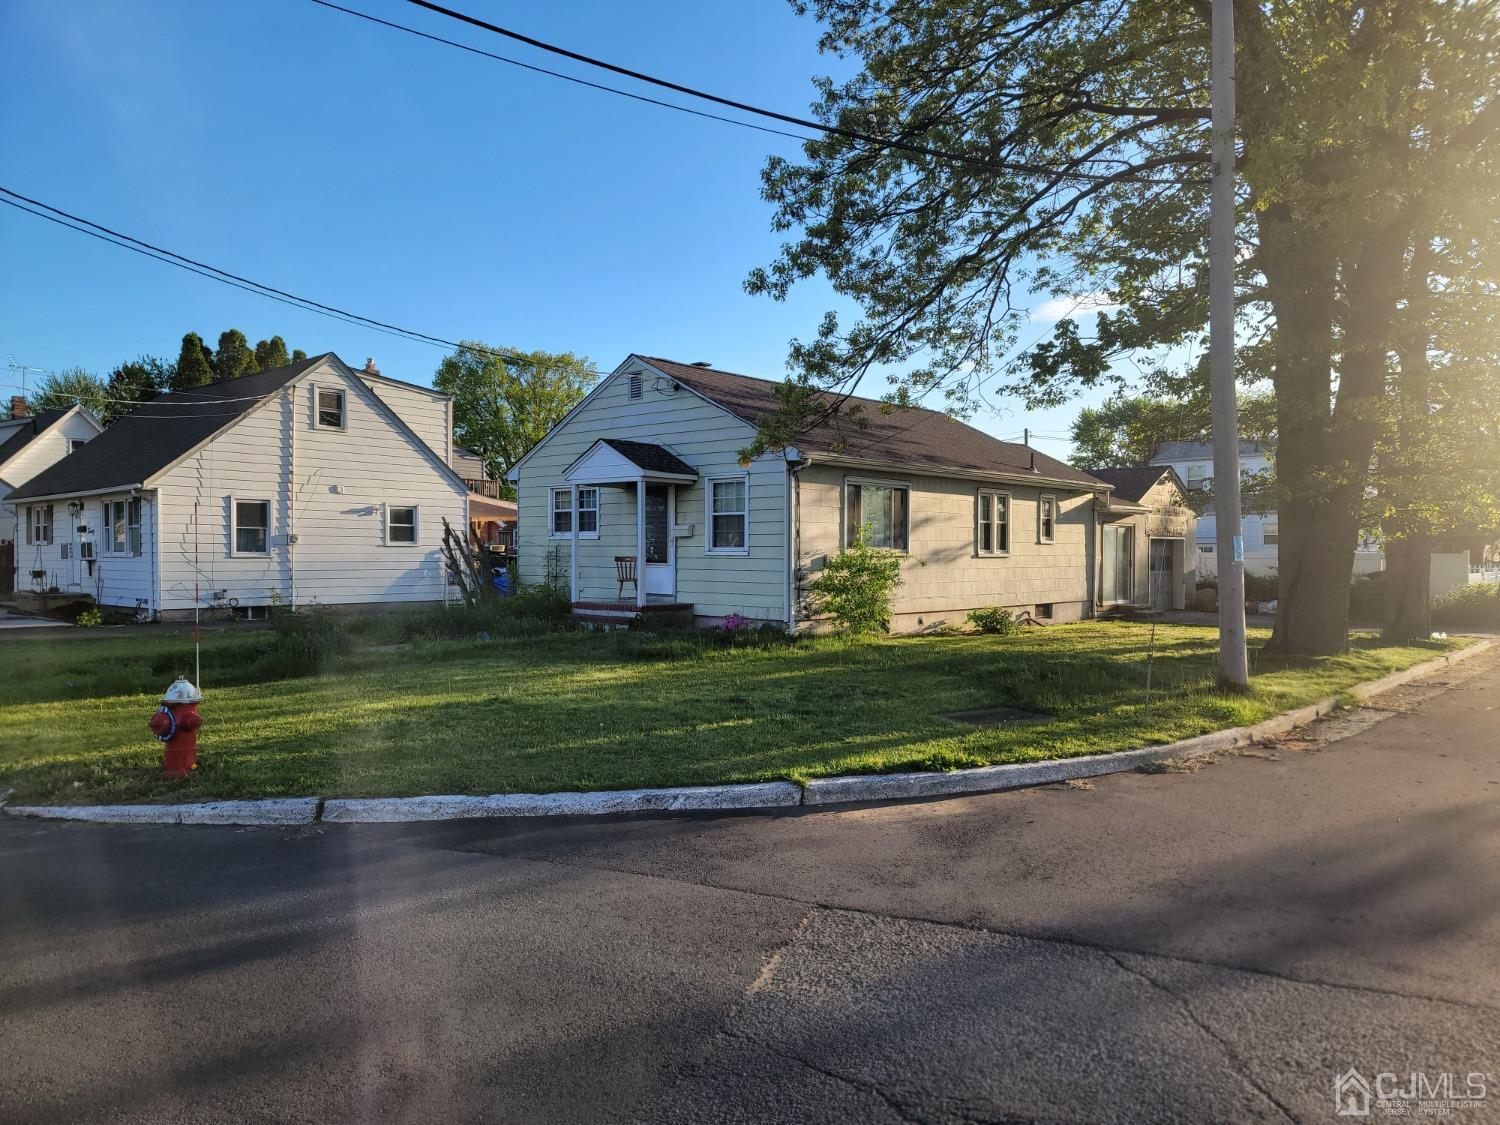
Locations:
588 512
879 513
39 525
400 525
1046 519
329 408
992 518
1270 532
122 527
252 527
728 515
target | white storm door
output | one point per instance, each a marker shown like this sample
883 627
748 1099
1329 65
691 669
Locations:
661 548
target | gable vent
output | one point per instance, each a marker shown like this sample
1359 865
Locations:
635 386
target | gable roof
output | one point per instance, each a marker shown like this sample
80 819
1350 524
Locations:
913 436
155 436
652 458
30 429
1133 483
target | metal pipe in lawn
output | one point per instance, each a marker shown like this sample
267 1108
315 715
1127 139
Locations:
1150 656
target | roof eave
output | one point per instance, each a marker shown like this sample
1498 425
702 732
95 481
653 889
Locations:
1018 477
138 487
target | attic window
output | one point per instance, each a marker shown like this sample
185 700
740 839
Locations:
330 405
635 386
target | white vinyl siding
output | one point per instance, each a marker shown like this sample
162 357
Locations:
751 581
345 479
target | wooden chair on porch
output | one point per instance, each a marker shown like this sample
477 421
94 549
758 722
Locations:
625 572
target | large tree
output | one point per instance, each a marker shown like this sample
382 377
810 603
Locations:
1059 146
133 383
194 365
504 401
271 353
234 357
60 390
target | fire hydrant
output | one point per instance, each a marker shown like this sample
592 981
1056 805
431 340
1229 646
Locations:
176 723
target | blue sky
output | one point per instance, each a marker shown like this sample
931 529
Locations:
402 179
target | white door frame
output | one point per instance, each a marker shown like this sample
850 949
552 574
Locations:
660 578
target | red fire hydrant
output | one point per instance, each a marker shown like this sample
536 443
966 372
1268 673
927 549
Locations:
176 723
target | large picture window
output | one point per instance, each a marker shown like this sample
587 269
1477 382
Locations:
252 527
879 512
992 518
729 515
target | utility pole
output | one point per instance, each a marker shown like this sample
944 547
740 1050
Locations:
1234 664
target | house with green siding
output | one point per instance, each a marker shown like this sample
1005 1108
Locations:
639 502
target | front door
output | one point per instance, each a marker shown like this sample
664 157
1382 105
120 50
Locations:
1161 573
661 548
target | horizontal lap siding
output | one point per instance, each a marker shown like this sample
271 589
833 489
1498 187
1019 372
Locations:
117 580
943 574
706 438
340 554
42 452
426 412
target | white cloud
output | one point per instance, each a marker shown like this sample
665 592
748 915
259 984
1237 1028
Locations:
1059 308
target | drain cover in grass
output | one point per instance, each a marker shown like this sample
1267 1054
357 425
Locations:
996 717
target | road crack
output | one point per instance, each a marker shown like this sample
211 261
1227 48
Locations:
1237 1064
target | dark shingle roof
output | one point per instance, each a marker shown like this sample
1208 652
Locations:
903 435
156 435
652 458
23 436
1132 483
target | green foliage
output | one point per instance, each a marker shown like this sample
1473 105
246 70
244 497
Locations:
135 382
298 355
90 618
62 389
1128 429
1475 606
854 588
234 356
194 366
1000 622
529 611
503 405
271 353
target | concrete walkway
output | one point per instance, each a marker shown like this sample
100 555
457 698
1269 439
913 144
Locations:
1213 945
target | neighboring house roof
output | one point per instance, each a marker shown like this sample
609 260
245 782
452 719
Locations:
1199 450
652 458
159 433
1133 483
30 429
911 436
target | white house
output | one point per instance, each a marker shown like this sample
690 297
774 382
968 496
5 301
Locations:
28 444
643 480
1194 463
310 483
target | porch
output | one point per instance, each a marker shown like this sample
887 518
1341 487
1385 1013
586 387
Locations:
619 516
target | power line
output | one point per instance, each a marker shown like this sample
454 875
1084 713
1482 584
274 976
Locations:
215 273
556 73
744 107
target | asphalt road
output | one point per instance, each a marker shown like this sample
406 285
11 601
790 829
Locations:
1207 946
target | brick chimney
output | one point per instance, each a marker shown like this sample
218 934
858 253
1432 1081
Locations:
370 368
18 406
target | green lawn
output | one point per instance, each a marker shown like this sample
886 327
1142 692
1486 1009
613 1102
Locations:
588 711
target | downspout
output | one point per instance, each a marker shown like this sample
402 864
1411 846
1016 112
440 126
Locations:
794 461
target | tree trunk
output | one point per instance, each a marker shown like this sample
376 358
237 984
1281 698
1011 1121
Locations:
1408 589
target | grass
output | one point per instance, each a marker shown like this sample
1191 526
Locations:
561 710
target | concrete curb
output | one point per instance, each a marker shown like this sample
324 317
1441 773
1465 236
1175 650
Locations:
389 810
762 795
287 810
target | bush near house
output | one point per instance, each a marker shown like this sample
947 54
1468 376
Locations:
997 622
854 588
1476 606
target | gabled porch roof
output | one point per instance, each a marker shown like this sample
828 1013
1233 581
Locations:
617 461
